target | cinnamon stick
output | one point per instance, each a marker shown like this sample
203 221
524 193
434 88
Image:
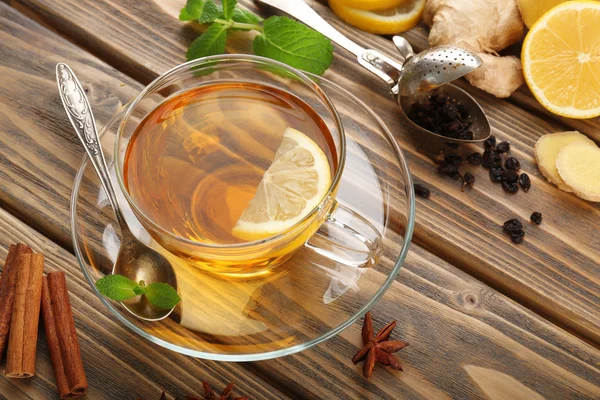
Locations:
62 337
22 342
8 284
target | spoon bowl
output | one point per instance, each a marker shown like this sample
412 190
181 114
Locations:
135 261
480 125
139 262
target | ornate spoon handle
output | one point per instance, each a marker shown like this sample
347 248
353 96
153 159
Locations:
80 114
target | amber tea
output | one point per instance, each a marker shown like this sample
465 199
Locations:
196 162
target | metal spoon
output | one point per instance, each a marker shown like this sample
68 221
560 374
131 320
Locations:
135 260
409 79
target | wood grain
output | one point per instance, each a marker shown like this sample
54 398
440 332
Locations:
556 271
466 339
118 363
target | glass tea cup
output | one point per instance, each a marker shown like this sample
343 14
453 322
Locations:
330 229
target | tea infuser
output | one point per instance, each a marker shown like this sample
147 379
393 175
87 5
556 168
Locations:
409 80
135 261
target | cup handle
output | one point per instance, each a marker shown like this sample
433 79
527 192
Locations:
347 238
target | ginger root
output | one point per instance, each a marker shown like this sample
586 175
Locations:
484 27
579 166
546 152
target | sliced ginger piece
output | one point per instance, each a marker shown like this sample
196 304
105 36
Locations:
546 151
579 167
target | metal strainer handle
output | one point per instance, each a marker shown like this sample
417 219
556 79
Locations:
384 67
414 73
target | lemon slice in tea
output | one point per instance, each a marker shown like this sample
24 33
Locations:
291 188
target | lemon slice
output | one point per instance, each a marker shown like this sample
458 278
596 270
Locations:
291 188
561 59
372 4
386 21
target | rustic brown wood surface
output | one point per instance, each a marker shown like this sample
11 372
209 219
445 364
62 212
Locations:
556 272
467 339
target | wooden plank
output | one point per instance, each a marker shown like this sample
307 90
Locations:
466 342
556 271
118 363
466 339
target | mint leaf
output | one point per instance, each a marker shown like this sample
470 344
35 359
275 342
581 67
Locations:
204 11
244 16
184 15
192 10
295 44
228 7
210 12
117 287
162 295
209 43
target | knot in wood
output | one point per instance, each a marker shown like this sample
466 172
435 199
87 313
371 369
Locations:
470 300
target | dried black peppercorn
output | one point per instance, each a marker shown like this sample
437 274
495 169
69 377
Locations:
512 225
517 237
525 182
512 164
490 143
510 177
536 218
503 147
462 110
496 173
453 159
468 179
449 170
474 159
422 191
510 187
488 159
514 228
440 115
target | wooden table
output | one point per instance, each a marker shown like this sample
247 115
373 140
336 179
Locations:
485 318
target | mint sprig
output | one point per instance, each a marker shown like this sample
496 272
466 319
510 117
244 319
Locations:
120 288
210 43
280 38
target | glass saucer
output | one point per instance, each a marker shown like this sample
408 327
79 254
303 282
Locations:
303 302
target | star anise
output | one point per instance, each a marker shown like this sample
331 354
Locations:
209 394
378 348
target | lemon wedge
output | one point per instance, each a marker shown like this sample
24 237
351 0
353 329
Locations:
385 21
291 188
561 59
